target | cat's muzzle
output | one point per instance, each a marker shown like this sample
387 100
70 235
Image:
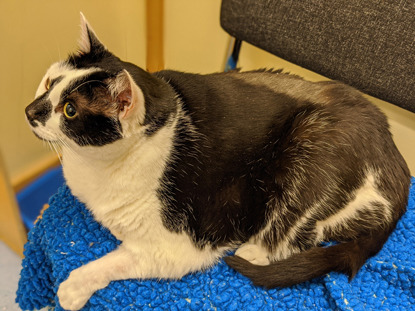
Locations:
39 110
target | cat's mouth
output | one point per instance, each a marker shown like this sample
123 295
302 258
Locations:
44 134
43 138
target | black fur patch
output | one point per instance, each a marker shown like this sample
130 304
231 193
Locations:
92 130
96 122
223 178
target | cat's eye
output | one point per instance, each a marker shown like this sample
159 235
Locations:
47 84
69 110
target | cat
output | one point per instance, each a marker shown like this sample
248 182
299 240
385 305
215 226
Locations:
183 168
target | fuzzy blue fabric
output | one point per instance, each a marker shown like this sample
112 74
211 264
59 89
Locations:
68 237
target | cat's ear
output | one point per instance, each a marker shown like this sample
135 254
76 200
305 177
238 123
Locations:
88 41
128 96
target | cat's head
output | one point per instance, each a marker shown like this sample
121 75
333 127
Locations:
90 99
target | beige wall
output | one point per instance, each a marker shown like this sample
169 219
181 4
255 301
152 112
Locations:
36 33
194 40
33 35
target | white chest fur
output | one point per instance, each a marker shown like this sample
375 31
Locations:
119 183
120 189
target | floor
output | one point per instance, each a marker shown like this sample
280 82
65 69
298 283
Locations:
10 265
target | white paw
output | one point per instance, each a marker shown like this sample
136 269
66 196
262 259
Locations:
253 253
74 293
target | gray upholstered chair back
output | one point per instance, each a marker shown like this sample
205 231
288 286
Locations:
368 44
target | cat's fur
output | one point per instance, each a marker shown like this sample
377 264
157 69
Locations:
184 167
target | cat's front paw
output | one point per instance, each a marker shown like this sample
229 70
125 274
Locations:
74 293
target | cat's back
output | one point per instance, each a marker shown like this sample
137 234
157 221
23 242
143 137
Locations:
266 96
241 89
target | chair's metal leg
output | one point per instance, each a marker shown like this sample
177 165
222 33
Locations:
233 54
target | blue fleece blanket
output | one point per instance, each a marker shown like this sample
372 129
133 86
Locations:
67 237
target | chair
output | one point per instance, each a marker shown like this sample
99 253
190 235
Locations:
369 45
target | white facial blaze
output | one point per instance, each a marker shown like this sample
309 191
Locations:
53 72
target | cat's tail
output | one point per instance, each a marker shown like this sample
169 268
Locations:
345 257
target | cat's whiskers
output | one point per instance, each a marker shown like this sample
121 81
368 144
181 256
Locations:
55 147
69 150
65 146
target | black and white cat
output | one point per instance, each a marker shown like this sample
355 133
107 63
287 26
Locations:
184 167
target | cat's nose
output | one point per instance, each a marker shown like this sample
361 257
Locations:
38 111
31 116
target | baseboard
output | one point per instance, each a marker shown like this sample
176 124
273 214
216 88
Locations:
34 171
